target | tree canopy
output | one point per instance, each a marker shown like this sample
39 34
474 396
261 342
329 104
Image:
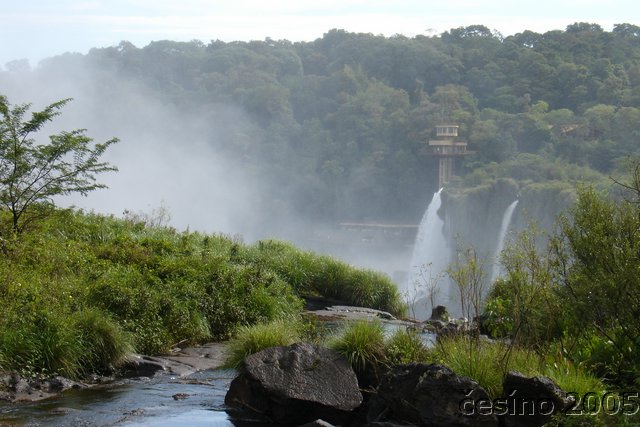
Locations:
32 173
341 121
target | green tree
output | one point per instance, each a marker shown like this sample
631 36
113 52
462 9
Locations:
467 273
598 261
32 173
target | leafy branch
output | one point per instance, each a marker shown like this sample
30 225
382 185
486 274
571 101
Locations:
31 173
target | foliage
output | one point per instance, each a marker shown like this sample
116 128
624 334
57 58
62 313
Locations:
339 123
467 273
79 290
486 362
361 343
31 173
310 273
405 346
598 260
252 339
578 293
497 320
524 304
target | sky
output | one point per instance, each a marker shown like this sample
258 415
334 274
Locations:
36 29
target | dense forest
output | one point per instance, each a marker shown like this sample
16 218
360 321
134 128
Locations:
334 129
339 124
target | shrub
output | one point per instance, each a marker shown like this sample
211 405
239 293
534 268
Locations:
488 362
103 343
473 358
361 343
41 343
252 339
311 273
405 346
79 290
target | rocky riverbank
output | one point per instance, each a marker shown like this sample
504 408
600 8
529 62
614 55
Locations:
303 384
180 362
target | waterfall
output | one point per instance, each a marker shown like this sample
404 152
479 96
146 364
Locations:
429 260
504 227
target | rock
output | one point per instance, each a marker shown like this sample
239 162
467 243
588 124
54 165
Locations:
433 326
59 384
532 401
439 312
296 385
180 396
362 312
15 388
450 329
428 395
387 424
317 423
142 366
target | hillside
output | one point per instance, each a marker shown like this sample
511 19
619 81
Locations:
337 125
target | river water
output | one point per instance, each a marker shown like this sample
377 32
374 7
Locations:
194 400
198 401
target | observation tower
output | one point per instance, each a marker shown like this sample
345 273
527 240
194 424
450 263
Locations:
446 147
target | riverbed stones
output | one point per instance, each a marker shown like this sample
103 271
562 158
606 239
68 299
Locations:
428 395
295 385
16 388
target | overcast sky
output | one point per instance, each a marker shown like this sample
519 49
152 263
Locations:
35 29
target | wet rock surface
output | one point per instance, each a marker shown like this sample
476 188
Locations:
347 312
426 395
179 363
16 388
295 385
532 401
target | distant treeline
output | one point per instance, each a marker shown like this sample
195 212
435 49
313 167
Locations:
339 123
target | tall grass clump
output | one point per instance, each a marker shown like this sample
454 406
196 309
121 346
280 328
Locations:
104 344
405 346
361 343
570 376
252 339
40 344
475 359
488 362
311 273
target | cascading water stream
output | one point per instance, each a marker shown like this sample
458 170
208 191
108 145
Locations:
504 227
429 259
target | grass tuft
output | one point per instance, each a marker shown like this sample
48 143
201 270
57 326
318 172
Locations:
405 346
487 363
252 339
104 344
361 343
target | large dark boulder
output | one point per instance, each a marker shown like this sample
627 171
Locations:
429 395
439 312
532 401
296 385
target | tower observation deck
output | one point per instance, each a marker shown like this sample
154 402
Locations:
446 147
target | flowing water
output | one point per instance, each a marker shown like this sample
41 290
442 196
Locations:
198 401
429 260
504 228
